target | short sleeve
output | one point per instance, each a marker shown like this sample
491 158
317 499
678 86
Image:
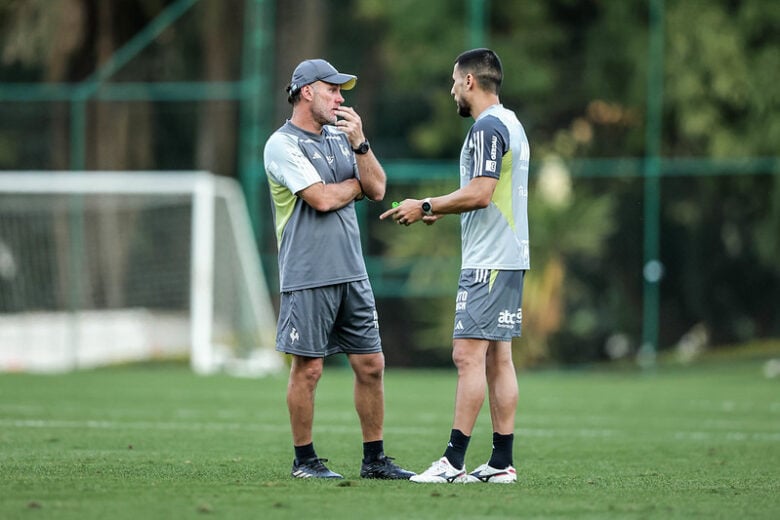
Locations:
490 139
286 164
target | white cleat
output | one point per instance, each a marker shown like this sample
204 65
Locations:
491 475
441 472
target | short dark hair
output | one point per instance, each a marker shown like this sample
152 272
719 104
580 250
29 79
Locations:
485 65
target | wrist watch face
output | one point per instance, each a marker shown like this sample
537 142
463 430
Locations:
363 148
426 207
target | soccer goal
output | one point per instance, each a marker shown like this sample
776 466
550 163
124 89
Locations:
99 268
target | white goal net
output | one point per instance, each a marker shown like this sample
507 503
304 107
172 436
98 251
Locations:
99 268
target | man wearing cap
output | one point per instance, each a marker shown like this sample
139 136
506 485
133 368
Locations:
318 164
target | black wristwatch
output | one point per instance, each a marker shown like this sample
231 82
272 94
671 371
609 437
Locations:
363 148
427 208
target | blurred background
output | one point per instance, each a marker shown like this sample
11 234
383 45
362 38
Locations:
653 124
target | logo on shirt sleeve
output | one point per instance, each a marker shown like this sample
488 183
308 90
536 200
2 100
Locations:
490 164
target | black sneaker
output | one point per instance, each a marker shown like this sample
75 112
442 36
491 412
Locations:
384 468
312 468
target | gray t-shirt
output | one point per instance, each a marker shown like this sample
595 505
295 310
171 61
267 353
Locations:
496 237
316 249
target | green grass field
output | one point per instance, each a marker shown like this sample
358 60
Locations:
159 442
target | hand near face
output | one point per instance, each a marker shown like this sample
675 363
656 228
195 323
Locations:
350 123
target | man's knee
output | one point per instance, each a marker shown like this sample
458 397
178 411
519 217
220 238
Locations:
307 370
368 367
499 357
468 355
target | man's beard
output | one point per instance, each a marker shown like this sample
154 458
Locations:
325 119
464 110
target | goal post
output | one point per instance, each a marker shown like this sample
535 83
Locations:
106 267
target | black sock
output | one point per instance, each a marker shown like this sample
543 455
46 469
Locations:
456 448
305 452
502 450
373 450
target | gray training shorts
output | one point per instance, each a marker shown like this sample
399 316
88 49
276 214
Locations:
327 320
488 304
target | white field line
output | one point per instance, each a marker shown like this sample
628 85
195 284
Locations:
726 406
736 436
138 425
587 433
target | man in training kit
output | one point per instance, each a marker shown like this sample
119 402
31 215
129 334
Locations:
492 201
318 164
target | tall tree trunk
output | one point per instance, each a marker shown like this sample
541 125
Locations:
300 35
122 135
216 140
68 23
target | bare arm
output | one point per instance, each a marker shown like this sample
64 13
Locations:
372 176
475 195
330 197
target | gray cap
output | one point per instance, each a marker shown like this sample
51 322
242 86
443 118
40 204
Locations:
310 71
